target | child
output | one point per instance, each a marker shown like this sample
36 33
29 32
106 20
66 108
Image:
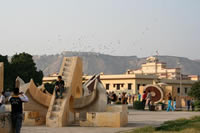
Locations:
174 103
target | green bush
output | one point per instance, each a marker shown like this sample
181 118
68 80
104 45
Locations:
197 105
50 87
163 105
137 105
118 102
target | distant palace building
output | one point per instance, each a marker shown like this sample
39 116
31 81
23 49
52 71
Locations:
154 67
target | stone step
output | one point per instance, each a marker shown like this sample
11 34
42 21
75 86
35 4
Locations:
54 113
53 121
53 118
56 108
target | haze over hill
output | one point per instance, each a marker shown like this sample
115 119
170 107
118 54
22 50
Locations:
96 63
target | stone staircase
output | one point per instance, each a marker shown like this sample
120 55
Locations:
59 114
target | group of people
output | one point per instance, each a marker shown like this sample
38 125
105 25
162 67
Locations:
123 97
190 104
146 99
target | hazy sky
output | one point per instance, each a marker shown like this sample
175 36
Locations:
116 27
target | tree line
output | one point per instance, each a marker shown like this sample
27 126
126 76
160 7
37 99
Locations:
21 65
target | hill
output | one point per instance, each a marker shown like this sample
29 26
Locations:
96 63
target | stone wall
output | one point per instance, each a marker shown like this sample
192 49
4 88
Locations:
5 123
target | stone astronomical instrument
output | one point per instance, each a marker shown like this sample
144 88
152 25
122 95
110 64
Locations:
156 93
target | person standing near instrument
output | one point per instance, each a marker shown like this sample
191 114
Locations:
16 101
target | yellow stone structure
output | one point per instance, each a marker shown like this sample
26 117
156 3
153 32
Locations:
78 102
1 76
115 116
59 113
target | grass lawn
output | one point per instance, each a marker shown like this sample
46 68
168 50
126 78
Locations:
191 125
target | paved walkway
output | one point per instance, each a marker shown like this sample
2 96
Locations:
136 119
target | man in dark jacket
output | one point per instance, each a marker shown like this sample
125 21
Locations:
16 101
59 86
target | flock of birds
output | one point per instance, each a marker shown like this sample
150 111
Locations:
90 44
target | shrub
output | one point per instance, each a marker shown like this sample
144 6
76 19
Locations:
138 105
118 102
163 105
50 87
197 105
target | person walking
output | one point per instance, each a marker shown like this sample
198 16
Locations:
120 97
188 105
148 98
174 103
113 97
170 103
59 87
139 96
129 98
144 96
16 101
192 104
123 98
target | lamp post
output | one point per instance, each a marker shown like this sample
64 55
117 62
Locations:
180 76
180 80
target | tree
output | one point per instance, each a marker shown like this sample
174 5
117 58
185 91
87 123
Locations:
24 67
195 91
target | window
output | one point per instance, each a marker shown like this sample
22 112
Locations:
178 90
122 85
118 86
186 90
138 87
144 84
129 86
107 86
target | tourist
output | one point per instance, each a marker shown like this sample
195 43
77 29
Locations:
192 104
59 87
133 98
109 97
16 101
113 97
107 94
126 98
129 98
148 98
123 98
139 96
2 102
144 99
120 97
174 103
170 103
188 105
